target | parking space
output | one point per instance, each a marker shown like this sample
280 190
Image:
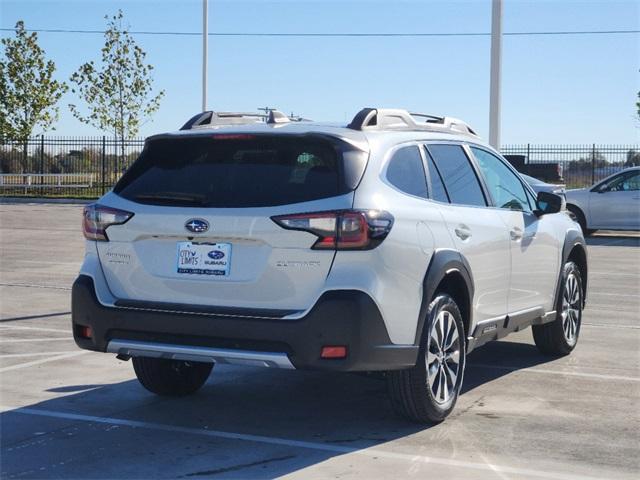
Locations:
67 413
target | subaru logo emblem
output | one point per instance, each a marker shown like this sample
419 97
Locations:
197 225
216 254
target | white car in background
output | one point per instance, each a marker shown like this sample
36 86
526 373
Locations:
612 204
540 186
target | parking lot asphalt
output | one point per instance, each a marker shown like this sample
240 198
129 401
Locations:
67 413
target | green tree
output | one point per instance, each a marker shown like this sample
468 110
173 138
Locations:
28 93
118 92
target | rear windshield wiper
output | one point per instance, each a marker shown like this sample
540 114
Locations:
171 198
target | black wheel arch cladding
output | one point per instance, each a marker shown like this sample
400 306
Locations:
575 250
447 264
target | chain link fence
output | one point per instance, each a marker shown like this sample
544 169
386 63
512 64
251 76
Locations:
87 167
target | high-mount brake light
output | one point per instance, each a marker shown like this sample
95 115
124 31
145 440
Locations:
96 218
341 229
239 136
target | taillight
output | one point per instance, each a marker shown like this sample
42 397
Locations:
96 219
341 229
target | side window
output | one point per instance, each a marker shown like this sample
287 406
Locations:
632 183
406 172
438 192
457 174
505 186
623 183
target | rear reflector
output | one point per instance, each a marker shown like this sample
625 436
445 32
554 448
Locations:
84 331
341 229
334 351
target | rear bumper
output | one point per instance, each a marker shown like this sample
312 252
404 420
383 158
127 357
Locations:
341 317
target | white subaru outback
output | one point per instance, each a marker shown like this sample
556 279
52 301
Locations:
397 243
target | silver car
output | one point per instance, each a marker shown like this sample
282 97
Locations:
393 244
540 186
611 204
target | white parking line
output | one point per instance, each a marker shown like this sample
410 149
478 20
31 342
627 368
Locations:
614 294
555 372
611 325
40 354
48 262
326 447
34 285
18 327
39 362
599 307
614 274
23 340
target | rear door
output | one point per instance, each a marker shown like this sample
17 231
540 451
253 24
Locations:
202 232
477 231
616 204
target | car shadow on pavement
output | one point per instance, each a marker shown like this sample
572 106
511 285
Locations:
185 437
497 359
179 437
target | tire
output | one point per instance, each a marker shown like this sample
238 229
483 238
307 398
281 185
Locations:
414 392
581 219
560 337
173 378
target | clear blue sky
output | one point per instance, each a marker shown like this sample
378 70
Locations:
556 89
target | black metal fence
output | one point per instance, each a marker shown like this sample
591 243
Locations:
86 167
580 165
79 167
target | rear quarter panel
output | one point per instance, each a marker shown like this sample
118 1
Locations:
393 273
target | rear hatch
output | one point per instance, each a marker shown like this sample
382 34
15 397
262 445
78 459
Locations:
201 231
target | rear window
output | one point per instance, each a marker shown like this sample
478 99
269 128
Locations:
235 171
406 172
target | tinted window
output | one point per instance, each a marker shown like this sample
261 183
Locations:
233 171
438 192
623 183
406 172
458 175
505 186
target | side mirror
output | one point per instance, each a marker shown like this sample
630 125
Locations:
548 203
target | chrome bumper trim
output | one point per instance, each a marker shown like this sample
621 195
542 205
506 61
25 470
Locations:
134 348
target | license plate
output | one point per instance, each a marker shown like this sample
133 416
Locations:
204 258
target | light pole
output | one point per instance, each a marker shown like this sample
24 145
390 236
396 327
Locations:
205 47
496 71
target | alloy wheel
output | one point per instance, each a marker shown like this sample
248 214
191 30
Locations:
571 309
443 357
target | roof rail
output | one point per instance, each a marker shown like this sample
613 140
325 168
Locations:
398 119
212 119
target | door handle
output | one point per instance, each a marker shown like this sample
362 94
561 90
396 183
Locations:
463 232
516 234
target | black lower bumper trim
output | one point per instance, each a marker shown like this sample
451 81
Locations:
341 317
